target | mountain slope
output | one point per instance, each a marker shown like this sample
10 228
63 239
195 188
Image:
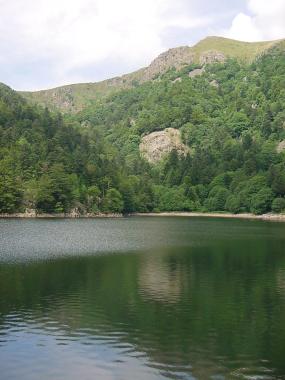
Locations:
47 165
73 98
231 120
214 140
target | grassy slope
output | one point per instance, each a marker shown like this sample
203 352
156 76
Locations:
73 98
243 51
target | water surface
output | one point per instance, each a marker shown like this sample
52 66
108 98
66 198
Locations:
144 298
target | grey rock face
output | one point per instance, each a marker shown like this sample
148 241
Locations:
177 80
177 57
212 56
214 83
281 147
155 146
196 73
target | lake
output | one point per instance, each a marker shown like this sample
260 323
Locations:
145 298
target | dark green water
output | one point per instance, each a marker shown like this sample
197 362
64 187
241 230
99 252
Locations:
142 298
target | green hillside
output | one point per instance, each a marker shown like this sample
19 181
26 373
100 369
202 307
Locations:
73 98
243 51
232 119
49 165
227 153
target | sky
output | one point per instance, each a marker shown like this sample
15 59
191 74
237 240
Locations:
48 43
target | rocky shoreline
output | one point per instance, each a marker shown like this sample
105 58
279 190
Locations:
73 215
269 217
25 215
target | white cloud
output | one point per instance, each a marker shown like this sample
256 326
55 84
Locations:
244 29
69 34
44 43
265 20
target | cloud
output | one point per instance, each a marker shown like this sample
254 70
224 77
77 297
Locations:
46 43
243 28
264 20
73 33
70 34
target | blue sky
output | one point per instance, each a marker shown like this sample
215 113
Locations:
48 43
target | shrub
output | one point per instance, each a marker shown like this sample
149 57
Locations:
233 204
261 202
113 201
278 205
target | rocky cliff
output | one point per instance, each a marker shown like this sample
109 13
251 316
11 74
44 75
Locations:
73 98
156 145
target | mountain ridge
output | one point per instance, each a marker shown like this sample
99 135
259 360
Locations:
74 97
203 138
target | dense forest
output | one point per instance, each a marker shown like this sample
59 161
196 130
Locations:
232 118
52 165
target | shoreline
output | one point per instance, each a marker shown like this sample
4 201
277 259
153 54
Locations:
265 217
23 215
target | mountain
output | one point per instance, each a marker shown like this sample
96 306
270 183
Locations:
195 131
214 136
48 165
74 98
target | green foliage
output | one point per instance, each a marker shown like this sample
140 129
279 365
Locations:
79 96
113 201
217 199
261 201
91 161
278 205
10 191
233 204
50 165
276 177
170 199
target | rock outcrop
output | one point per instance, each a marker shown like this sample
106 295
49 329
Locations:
177 80
281 147
212 57
155 146
196 73
214 83
73 98
177 57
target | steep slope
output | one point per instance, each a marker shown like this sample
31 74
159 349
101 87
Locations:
47 165
232 121
157 145
218 136
73 98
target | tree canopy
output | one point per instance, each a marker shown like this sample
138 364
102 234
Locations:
232 117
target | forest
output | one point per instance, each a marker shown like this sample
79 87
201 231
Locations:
232 118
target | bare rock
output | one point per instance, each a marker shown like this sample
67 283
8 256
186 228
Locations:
177 57
85 124
212 56
157 145
281 147
30 213
63 97
196 73
214 83
74 213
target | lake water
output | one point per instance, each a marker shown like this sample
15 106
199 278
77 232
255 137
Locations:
142 298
